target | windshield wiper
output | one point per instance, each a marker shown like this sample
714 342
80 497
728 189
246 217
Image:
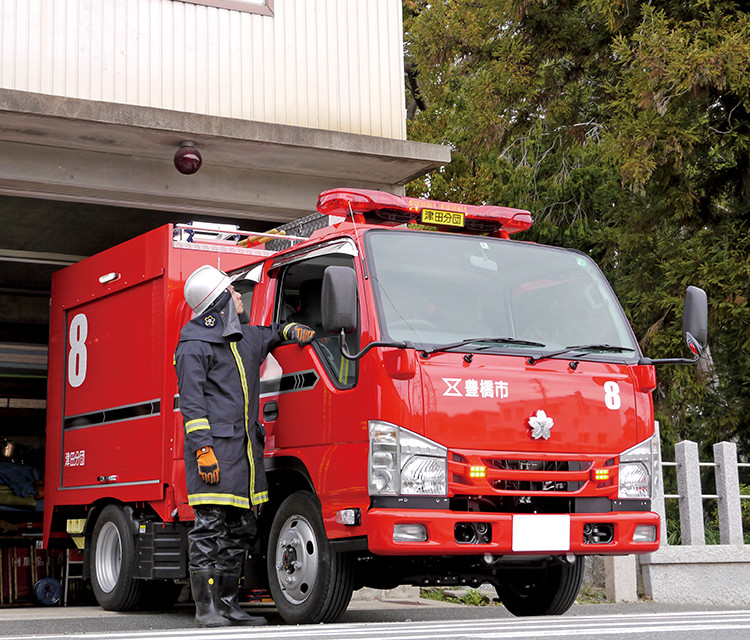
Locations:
579 347
454 345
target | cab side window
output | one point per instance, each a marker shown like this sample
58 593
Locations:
244 282
245 289
299 300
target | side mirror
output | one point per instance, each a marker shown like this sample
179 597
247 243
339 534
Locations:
339 299
695 320
694 327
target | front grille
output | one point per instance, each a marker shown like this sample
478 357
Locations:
527 476
489 474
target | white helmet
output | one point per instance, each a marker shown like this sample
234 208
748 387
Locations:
203 286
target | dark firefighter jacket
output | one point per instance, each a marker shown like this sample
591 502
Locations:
218 360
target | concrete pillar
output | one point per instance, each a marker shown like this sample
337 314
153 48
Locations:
620 578
689 489
657 491
728 490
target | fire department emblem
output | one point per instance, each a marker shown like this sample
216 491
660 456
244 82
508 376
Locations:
210 321
541 425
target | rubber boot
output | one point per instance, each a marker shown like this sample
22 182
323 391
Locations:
226 602
202 584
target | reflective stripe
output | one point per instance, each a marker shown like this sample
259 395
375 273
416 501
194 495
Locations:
260 498
197 425
246 395
198 428
226 499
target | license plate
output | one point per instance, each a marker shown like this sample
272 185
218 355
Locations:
447 218
541 533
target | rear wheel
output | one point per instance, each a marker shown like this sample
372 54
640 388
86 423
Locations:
547 591
113 562
309 582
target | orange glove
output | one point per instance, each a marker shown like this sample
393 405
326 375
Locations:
299 333
208 465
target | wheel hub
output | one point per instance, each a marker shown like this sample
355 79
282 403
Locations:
108 557
297 559
289 559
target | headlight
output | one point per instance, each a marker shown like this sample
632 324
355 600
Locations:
383 462
636 470
635 481
404 463
423 475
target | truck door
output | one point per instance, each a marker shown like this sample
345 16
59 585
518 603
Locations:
314 380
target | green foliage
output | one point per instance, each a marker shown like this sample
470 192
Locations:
624 127
471 597
591 594
474 598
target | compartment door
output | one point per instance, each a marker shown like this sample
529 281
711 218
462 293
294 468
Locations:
112 410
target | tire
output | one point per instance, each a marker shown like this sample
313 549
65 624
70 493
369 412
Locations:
547 591
113 562
309 582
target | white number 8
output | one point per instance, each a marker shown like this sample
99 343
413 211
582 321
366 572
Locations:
77 358
612 395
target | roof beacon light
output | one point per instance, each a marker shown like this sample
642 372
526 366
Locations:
358 203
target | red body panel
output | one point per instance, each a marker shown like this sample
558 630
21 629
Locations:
440 529
112 431
495 396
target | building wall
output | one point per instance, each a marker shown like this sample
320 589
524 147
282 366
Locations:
323 64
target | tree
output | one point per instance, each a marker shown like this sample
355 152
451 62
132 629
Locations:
623 126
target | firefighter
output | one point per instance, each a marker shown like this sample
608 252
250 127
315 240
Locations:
218 362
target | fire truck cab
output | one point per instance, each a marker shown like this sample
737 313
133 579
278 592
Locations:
473 409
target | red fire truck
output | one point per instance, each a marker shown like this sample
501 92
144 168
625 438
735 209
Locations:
473 409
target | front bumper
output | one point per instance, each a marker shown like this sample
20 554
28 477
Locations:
507 538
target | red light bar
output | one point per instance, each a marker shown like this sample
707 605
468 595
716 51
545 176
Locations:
398 209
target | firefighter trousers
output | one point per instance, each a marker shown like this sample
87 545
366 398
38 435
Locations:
220 538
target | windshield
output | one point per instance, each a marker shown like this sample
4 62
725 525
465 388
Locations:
435 289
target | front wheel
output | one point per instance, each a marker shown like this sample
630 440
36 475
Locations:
309 582
545 591
113 562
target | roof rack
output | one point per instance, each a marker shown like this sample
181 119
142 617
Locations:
304 226
227 238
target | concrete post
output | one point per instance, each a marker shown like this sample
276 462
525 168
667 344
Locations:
657 491
620 578
689 489
728 490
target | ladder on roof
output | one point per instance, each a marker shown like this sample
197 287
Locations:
229 237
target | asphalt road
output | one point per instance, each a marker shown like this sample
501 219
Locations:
393 620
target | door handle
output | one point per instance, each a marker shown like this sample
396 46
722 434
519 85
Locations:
270 411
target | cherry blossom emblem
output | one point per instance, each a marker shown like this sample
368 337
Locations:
541 425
